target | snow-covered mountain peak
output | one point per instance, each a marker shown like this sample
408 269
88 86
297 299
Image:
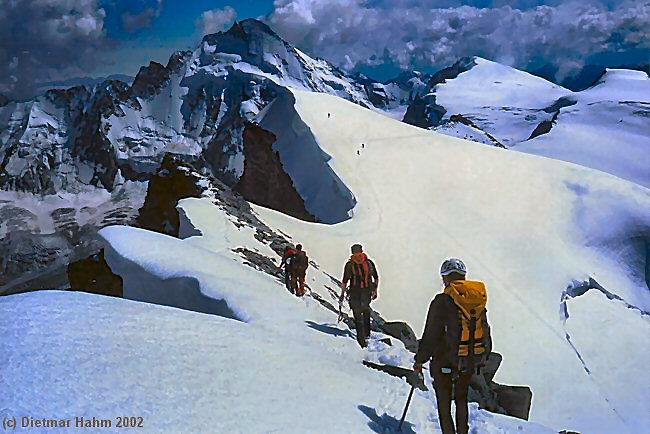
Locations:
603 127
612 74
247 38
606 127
251 47
500 85
484 101
252 42
197 103
484 69
620 85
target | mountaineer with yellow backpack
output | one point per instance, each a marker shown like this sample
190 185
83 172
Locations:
456 340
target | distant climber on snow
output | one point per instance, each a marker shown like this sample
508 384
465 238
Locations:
299 264
456 341
362 275
289 252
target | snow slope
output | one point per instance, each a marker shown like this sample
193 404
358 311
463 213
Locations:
187 372
607 129
527 226
501 100
206 271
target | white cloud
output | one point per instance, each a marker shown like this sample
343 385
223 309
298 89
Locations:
412 34
89 24
134 22
46 39
216 20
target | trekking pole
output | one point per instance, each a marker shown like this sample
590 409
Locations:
408 402
341 305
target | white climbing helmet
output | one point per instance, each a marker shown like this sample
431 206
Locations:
453 265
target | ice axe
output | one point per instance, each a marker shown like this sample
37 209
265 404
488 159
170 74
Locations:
342 285
408 401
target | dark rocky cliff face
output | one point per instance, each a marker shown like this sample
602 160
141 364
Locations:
264 181
93 275
425 112
90 143
463 64
173 181
150 79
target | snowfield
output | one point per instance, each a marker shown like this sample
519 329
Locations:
188 372
605 127
265 361
503 101
243 355
527 226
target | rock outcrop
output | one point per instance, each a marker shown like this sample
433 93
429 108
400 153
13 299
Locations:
423 110
264 181
173 181
95 276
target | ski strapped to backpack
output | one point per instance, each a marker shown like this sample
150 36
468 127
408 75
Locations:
471 299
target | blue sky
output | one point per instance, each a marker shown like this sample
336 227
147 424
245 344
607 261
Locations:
49 40
177 18
173 29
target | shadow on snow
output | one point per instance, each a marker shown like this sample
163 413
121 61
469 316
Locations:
384 423
328 329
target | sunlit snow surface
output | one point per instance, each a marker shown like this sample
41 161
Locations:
605 127
525 225
282 364
74 354
501 100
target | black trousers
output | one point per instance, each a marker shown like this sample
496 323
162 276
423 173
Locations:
444 387
287 278
360 305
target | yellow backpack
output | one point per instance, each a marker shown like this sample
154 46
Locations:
474 340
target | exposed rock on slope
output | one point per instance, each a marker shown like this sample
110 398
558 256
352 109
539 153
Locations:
423 110
172 182
264 181
94 275
39 236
